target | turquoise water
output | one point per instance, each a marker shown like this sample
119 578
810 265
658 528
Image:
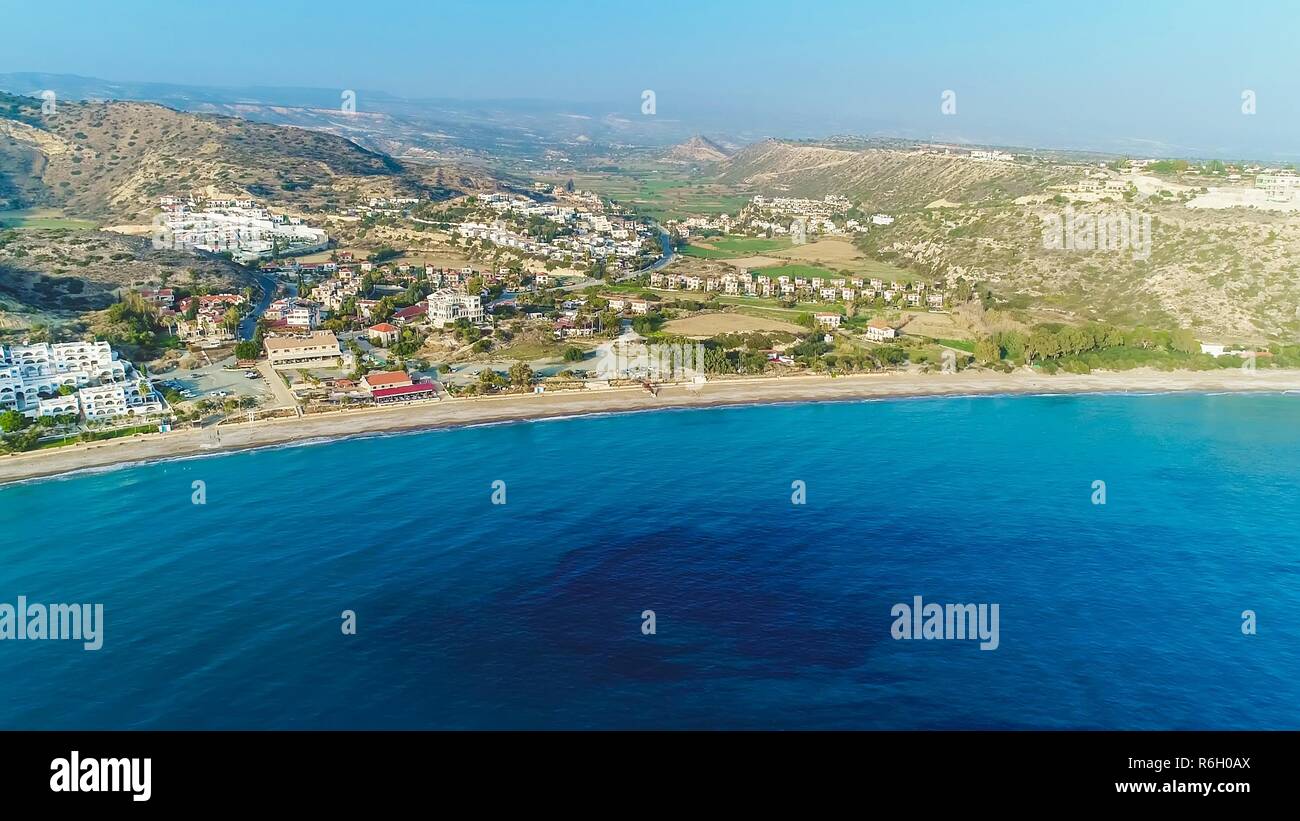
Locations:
767 613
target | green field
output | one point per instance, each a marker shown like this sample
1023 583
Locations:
28 218
734 247
658 194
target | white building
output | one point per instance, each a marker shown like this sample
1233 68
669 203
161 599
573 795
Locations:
29 372
121 399
446 306
31 377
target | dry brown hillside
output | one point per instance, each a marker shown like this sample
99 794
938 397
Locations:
880 178
59 273
110 161
1228 275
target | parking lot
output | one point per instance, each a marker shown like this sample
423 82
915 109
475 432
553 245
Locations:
215 382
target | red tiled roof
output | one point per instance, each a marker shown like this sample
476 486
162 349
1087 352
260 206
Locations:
415 310
387 378
384 328
418 387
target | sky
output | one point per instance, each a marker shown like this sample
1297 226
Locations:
1131 77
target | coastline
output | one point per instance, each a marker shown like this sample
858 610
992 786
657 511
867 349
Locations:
523 407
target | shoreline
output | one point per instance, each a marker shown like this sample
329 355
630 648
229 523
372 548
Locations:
525 407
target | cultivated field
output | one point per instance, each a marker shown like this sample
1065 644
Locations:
711 324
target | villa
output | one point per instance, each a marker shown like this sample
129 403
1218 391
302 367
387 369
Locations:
383 334
879 331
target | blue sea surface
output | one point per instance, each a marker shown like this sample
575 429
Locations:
768 614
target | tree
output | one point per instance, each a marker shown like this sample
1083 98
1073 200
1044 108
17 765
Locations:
572 354
231 319
521 375
247 350
1184 340
12 420
987 350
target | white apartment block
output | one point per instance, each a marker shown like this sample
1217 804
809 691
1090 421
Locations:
28 372
446 306
121 399
31 377
242 227
1279 187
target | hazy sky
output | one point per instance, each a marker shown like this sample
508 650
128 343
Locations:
1106 75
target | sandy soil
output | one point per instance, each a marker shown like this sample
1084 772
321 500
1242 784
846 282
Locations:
707 325
833 252
453 412
755 262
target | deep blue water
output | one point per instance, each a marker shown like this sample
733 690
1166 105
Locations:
768 614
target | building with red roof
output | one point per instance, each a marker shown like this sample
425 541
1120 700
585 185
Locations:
383 334
383 380
405 393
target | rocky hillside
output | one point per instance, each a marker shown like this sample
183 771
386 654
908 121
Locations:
886 179
698 150
1228 275
54 274
110 161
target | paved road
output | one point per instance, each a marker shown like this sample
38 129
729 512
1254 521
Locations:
249 323
283 396
666 246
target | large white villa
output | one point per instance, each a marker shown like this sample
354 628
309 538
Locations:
105 386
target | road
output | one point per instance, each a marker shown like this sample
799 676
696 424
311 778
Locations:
249 323
666 245
284 397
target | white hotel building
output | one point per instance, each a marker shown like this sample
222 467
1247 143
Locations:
248 231
31 376
446 306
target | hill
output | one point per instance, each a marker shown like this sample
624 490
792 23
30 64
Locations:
698 149
110 161
880 178
55 274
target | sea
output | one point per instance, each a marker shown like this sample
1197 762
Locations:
731 567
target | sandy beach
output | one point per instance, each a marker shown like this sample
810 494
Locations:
455 412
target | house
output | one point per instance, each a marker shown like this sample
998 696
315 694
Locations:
828 319
159 297
295 313
878 331
411 314
383 334
384 380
